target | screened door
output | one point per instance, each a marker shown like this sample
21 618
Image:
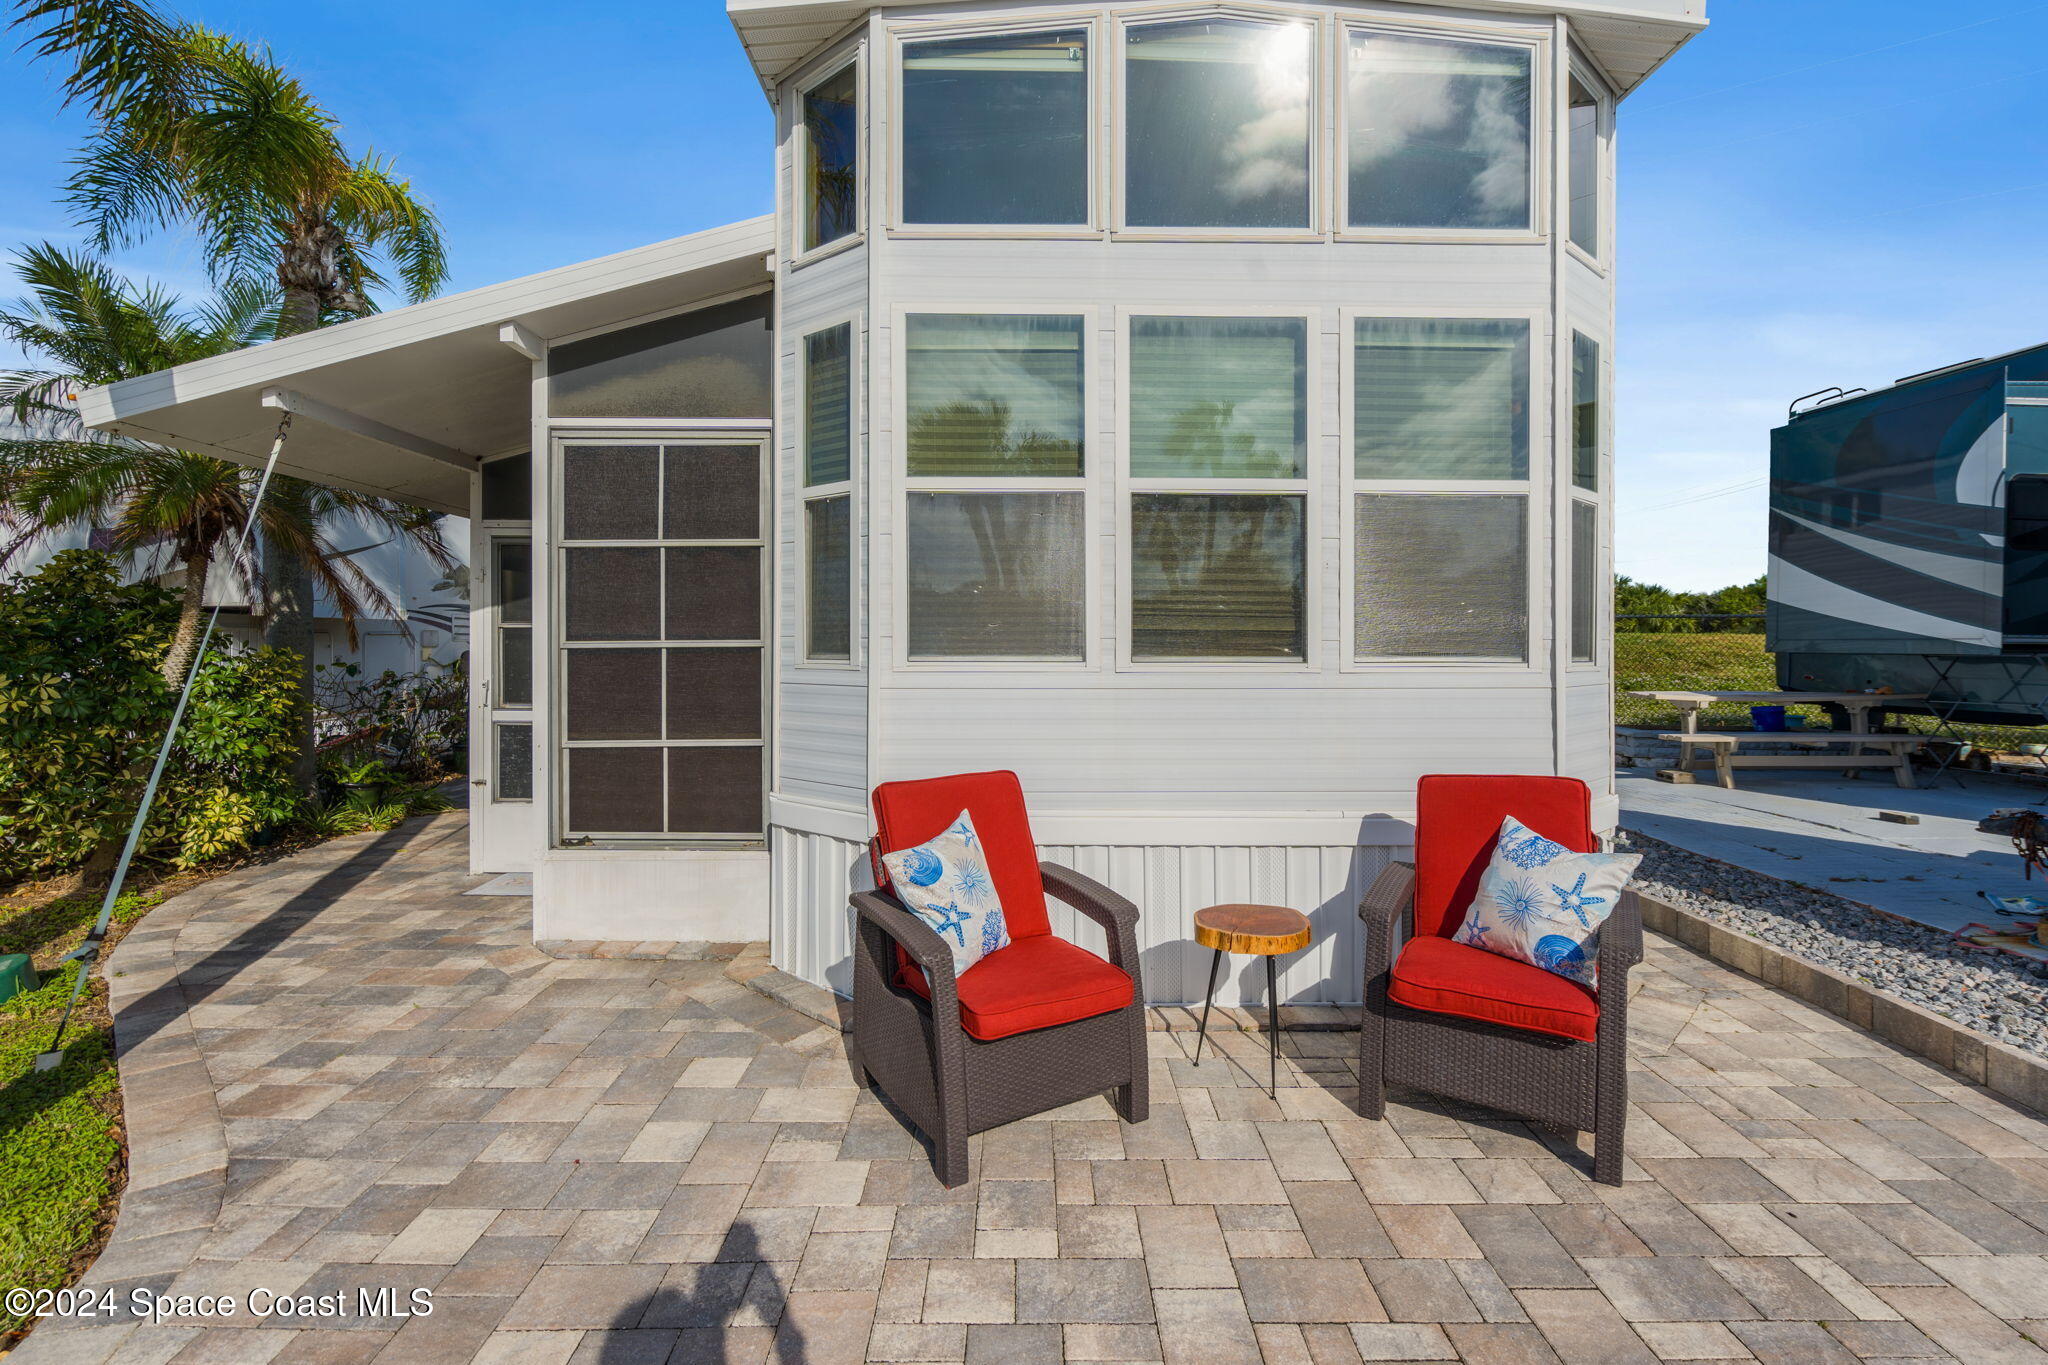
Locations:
663 600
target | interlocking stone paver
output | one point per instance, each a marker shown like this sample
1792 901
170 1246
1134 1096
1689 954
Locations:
341 1073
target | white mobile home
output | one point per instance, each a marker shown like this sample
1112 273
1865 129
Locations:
1199 409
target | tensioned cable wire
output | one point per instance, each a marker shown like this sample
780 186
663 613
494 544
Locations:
86 953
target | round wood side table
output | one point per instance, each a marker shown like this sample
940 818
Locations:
1267 931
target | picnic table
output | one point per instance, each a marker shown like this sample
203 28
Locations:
1724 748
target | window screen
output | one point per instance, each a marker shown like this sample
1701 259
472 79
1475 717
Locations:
1217 124
508 489
1585 412
514 779
995 575
995 129
663 610
1218 576
997 396
1219 398
831 167
1438 133
1442 575
1441 398
712 363
512 595
1584 174
1585 581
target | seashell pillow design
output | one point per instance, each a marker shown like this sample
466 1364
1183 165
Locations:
1543 904
945 883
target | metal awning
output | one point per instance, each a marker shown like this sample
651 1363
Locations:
406 403
1628 38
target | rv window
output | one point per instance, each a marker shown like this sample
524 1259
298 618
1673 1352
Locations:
1217 124
1441 398
2026 561
831 158
1219 398
994 396
828 586
828 493
1584 168
995 129
1585 582
995 575
1442 576
715 362
1437 133
1218 576
1586 417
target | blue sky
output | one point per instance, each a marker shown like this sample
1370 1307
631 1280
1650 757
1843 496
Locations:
1805 200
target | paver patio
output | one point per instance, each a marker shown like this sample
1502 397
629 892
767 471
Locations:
344 1074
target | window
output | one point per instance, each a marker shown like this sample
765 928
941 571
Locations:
831 158
1441 576
662 608
508 488
1441 398
510 698
1218 569
828 493
995 572
1584 168
1585 581
1438 133
995 129
1217 124
1586 418
714 362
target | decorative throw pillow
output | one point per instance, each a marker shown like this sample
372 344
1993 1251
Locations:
945 883
1543 904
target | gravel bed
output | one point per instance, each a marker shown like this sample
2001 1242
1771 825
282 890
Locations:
1998 994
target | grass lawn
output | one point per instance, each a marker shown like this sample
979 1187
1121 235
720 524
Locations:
60 1130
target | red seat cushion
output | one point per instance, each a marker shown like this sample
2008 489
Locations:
1457 819
1034 983
911 813
1436 974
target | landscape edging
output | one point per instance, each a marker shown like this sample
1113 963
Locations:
1998 1067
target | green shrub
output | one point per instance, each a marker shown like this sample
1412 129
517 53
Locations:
83 707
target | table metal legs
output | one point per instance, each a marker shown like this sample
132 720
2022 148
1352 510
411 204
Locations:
1273 1027
1207 1000
1272 1019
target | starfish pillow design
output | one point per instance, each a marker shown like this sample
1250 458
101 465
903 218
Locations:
1577 901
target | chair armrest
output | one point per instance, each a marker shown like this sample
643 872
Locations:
1117 916
1621 947
915 937
1391 893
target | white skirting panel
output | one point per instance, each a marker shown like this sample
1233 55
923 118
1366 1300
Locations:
813 873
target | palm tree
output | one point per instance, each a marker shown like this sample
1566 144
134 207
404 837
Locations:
199 130
96 328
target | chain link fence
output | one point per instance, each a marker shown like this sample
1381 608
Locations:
1691 653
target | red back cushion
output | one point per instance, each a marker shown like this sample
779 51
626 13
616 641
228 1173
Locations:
1457 819
910 813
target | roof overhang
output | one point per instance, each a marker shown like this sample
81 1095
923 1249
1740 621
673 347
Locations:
1628 38
406 404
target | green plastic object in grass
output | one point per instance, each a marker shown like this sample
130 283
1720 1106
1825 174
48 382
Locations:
17 975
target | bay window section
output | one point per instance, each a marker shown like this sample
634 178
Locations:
828 494
1441 398
1586 416
1438 133
830 160
1218 422
995 516
1217 124
1441 576
995 130
1583 143
1585 581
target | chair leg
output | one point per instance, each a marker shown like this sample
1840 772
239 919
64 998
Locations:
1372 1063
1610 1104
1133 1099
950 1161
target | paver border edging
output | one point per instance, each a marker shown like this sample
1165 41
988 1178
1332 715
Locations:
1998 1067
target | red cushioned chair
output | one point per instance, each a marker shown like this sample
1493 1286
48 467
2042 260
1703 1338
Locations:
1028 1028
1476 1026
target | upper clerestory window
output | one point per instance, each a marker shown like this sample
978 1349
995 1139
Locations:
1217 124
831 158
995 130
1438 133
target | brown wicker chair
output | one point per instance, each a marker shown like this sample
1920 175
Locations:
1566 1065
915 1025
